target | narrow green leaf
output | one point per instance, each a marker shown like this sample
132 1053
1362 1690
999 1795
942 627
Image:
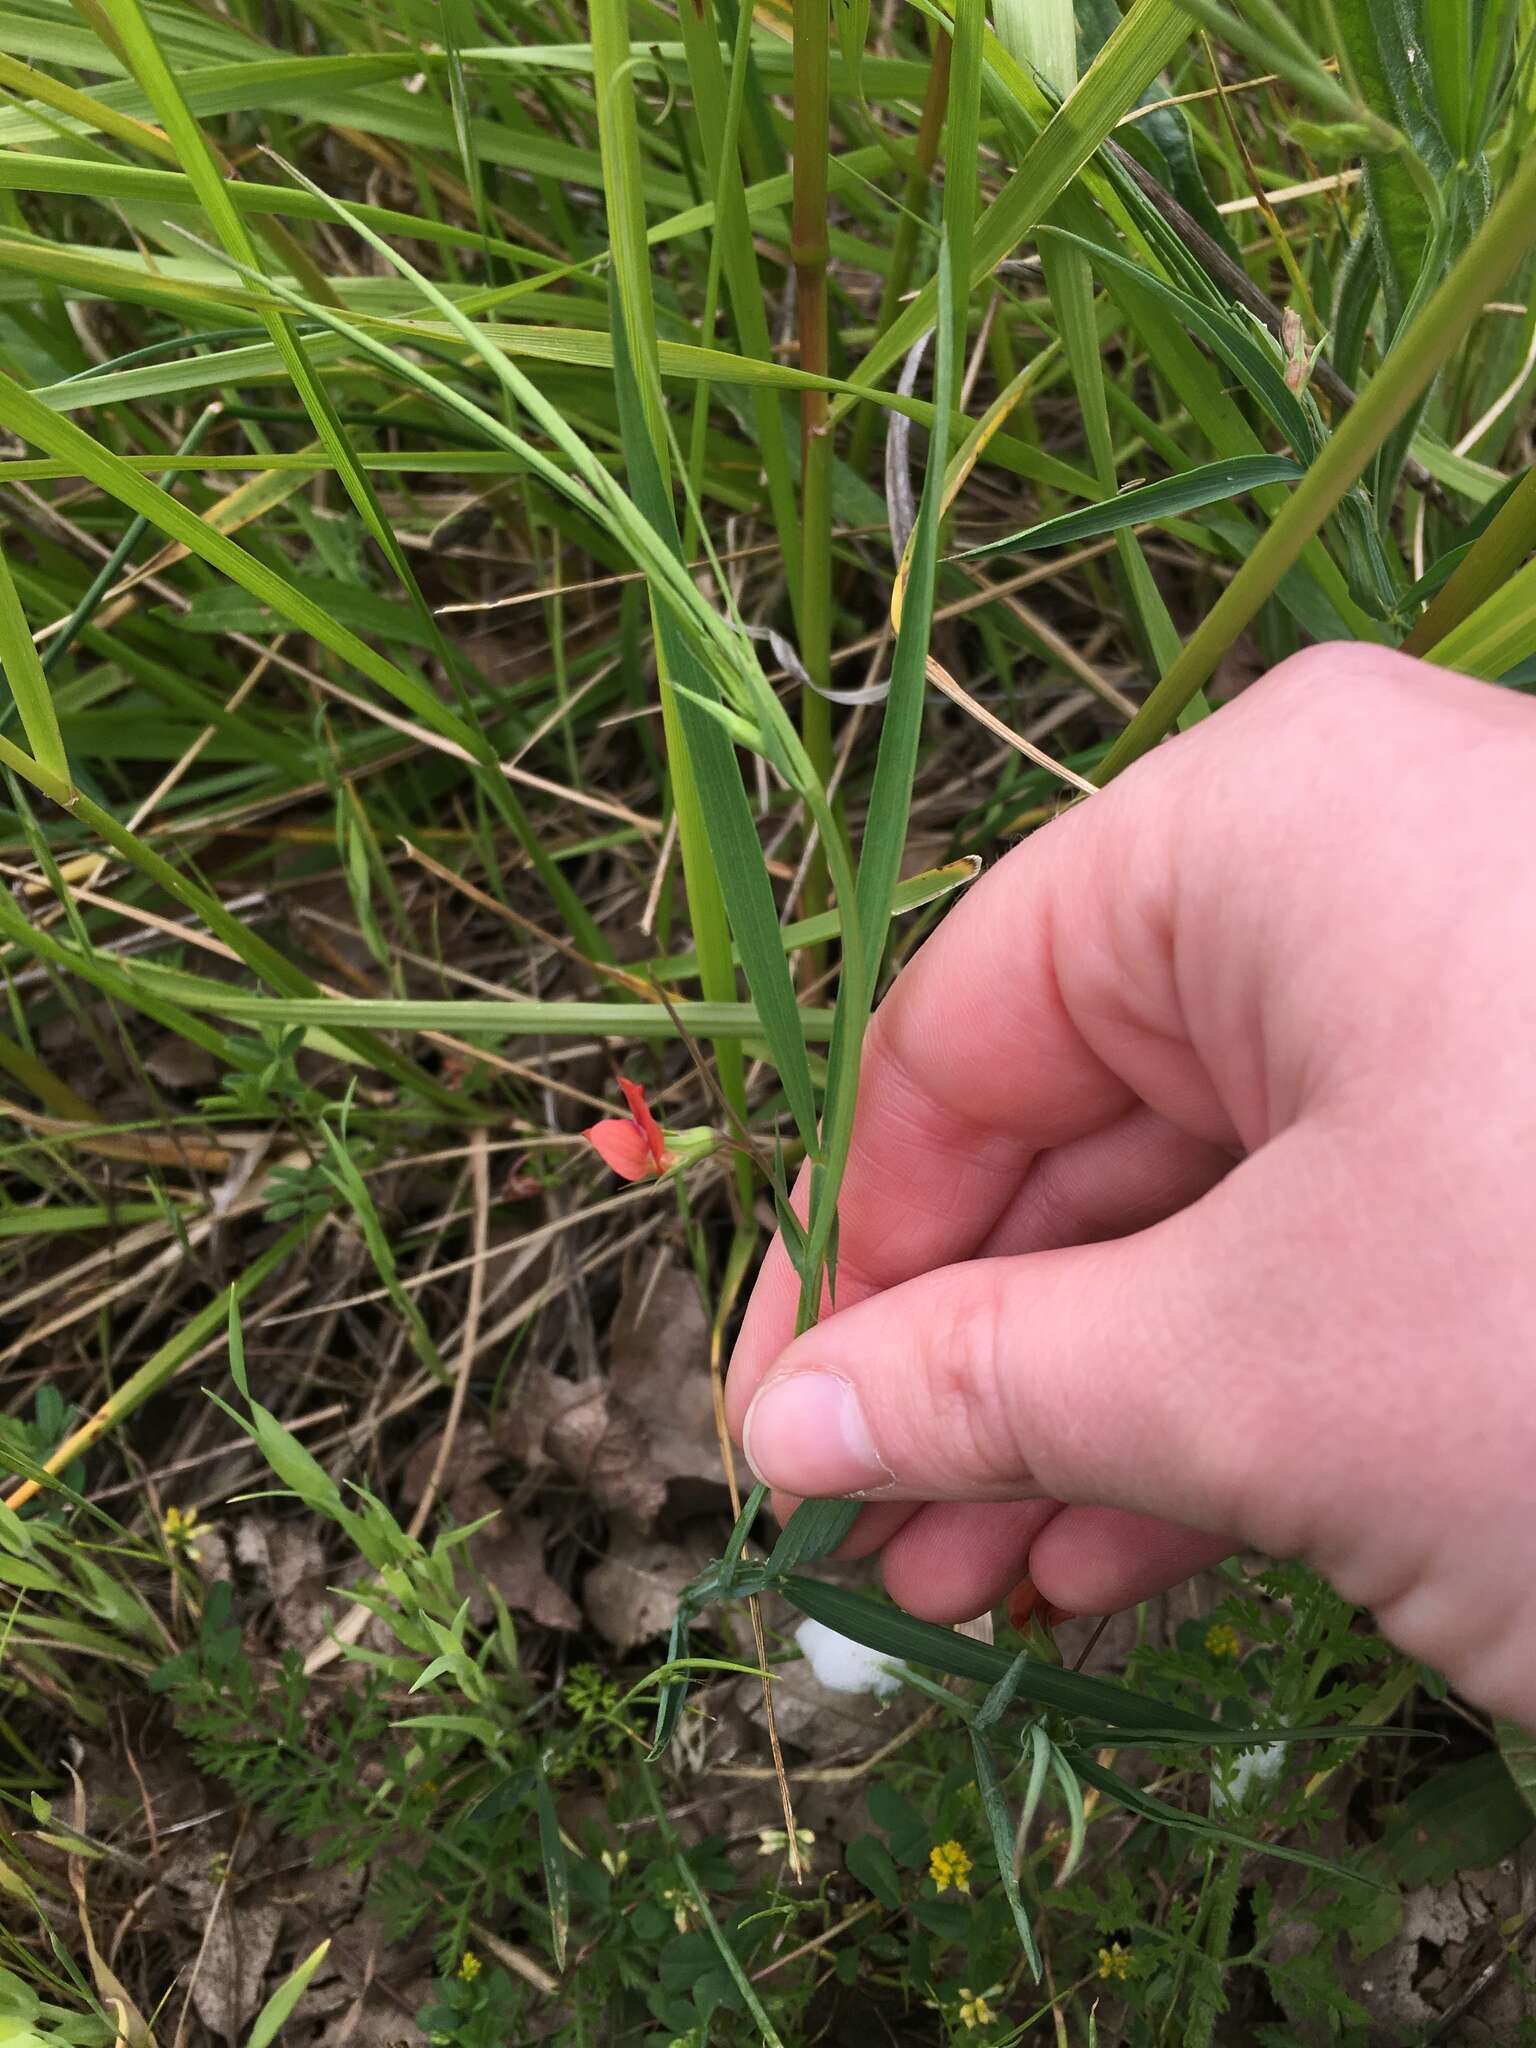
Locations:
1168 498
1230 332
995 1807
674 1691
1147 38
751 1508
907 1640
1505 237
1498 635
557 1870
277 2011
726 829
1484 568
1077 1820
29 686
813 1531
1041 1752
1001 1697
1092 1772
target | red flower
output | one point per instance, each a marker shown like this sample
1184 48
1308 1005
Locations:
1025 1605
631 1145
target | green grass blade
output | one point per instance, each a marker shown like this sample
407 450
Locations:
929 887
1506 236
24 415
651 1022
812 1532
1211 483
1148 37
726 832
29 685
909 1641
1484 571
278 2010
557 1869
1498 635
1000 1826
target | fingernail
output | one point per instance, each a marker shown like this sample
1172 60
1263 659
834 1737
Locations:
807 1434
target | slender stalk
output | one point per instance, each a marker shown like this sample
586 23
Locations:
622 170
1044 37
909 221
106 576
719 105
808 251
1506 235
151 1376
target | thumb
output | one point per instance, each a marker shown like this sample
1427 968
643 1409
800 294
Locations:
1126 1374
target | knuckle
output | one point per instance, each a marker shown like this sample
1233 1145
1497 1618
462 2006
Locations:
1355 677
967 1382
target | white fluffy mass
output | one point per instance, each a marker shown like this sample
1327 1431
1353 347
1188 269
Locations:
842 1665
1246 1773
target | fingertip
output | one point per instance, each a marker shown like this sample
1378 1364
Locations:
767 1328
954 1559
1098 1560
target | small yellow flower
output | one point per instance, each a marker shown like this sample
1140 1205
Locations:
180 1530
974 2009
949 1865
1114 1961
469 1966
1221 1640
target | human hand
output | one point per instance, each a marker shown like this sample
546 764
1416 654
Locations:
1192 1189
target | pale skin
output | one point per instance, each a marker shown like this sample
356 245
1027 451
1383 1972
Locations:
1192 1198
